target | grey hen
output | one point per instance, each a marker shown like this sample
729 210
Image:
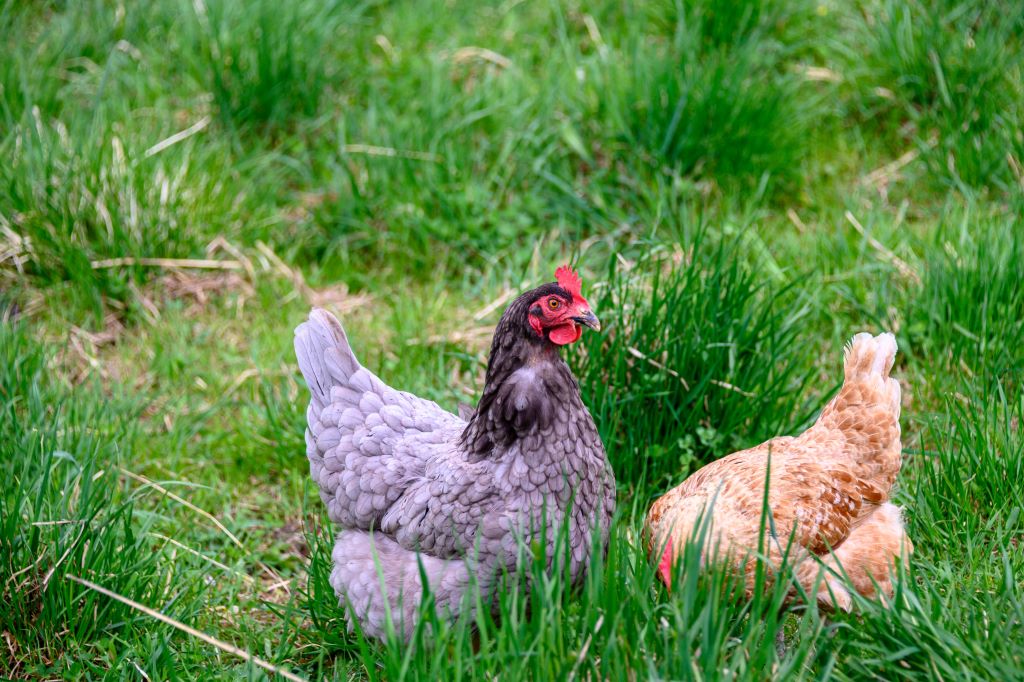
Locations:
418 491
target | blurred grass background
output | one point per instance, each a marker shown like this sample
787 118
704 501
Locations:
744 184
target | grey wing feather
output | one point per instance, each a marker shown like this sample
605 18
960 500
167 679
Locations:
365 441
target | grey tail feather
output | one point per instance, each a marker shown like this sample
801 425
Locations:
324 354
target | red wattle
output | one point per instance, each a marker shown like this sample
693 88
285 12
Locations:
565 333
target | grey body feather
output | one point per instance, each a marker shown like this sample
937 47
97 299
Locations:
415 488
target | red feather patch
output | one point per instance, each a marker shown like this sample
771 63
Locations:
665 565
569 280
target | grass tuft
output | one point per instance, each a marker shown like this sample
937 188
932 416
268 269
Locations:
64 512
968 309
944 75
700 360
268 64
721 101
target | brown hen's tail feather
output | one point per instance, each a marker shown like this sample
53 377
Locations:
870 359
865 414
866 354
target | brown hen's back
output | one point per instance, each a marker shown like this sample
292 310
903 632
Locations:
828 489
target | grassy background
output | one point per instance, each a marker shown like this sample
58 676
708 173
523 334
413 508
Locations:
744 185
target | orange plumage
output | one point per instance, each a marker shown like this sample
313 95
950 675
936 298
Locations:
828 488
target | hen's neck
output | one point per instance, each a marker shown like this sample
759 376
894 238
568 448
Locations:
512 347
515 347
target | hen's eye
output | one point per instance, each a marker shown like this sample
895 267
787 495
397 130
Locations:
554 303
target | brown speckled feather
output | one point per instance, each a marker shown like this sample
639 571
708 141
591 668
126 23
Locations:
828 487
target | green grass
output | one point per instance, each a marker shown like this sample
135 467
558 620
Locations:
744 185
944 77
718 99
701 354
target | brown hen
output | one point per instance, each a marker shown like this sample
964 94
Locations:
828 490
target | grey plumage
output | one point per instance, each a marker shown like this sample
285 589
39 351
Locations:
413 486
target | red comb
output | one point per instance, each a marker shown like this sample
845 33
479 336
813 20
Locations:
569 280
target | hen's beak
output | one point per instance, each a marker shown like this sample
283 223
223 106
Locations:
588 319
